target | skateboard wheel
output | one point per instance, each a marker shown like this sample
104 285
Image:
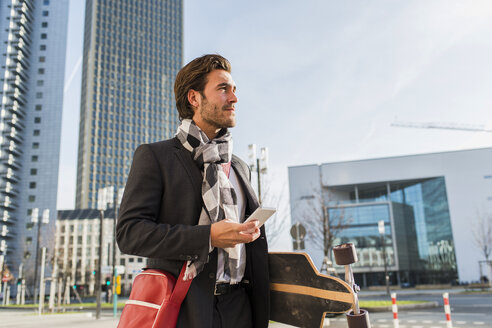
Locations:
345 254
358 320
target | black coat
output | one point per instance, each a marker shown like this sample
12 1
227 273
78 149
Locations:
158 219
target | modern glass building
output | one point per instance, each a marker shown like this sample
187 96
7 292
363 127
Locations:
132 53
33 45
429 205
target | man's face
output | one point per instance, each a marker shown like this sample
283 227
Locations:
216 103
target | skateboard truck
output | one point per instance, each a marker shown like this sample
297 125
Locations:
346 255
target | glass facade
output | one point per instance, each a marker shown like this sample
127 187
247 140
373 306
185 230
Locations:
418 239
132 53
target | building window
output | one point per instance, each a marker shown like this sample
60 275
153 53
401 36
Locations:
42 47
42 59
32 185
39 107
35 145
28 241
34 158
34 171
46 2
44 24
37 119
139 260
39 95
27 255
32 198
131 260
40 83
36 133
45 13
40 70
122 261
29 225
44 36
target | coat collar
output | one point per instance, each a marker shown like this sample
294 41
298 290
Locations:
196 176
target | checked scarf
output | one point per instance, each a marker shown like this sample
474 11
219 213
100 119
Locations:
219 197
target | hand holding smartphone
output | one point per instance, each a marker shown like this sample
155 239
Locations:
261 214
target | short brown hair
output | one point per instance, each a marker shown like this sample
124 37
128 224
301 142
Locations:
194 77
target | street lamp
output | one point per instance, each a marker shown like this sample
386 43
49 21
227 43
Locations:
111 196
386 276
259 164
36 219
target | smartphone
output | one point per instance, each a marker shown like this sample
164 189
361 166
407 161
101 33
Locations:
261 214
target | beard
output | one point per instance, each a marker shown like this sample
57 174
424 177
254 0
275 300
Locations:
217 117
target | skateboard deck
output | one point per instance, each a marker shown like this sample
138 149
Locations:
300 295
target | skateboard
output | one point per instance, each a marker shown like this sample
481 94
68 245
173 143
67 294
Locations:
301 296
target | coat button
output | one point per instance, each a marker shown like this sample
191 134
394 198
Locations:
211 275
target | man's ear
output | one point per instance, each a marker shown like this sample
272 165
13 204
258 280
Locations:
194 98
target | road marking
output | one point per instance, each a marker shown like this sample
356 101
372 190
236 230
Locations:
382 320
427 321
459 322
478 323
412 321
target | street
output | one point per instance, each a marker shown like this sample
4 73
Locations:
467 311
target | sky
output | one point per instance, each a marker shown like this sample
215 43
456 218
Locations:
322 81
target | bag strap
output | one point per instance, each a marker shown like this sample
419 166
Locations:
181 288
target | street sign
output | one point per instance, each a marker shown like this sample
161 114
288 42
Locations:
108 269
120 269
298 232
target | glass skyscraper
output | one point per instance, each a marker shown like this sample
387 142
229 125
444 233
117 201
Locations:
132 53
33 45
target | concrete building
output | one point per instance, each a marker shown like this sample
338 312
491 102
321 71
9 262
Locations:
77 251
429 203
32 69
132 53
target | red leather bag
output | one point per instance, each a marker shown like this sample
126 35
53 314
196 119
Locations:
155 300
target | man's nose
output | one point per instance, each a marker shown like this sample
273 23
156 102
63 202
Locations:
233 98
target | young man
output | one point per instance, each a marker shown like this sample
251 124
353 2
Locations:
186 199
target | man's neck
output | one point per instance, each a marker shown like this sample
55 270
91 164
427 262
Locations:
209 130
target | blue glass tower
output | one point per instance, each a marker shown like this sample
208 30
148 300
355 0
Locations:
132 53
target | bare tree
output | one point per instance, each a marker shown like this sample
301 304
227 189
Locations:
323 224
276 199
482 233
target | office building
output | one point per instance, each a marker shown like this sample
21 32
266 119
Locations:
132 53
430 205
77 251
33 46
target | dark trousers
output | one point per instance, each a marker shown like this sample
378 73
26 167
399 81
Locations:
232 310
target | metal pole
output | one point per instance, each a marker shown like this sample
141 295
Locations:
259 179
99 266
54 280
115 296
3 284
386 277
41 282
37 260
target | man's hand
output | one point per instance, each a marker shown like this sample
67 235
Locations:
226 233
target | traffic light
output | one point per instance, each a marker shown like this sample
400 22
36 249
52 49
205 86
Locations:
108 281
118 285
74 286
19 281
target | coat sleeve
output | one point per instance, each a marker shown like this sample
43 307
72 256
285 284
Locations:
140 230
